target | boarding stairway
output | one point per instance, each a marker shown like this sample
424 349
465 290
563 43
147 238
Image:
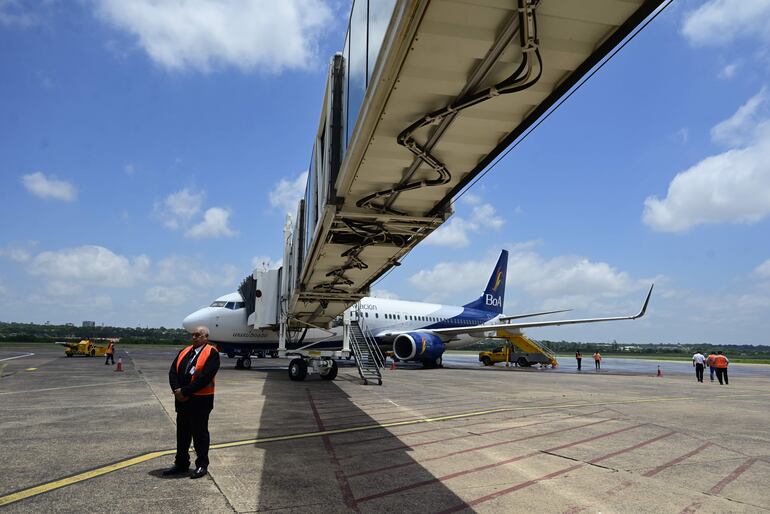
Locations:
527 345
369 358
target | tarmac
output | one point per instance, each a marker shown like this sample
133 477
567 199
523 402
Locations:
78 436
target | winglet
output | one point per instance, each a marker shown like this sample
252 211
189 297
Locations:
646 301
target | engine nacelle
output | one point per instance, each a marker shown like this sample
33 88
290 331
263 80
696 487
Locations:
418 346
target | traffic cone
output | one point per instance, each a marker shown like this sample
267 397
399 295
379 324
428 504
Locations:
393 364
119 366
660 373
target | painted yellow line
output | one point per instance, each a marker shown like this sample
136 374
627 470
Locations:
31 369
87 475
29 391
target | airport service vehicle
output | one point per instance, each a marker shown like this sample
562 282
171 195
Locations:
509 353
85 348
413 331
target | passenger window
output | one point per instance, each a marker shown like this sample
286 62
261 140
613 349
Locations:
376 315
366 314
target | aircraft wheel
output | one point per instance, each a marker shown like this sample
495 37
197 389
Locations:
246 363
486 361
439 362
428 364
332 373
297 370
239 363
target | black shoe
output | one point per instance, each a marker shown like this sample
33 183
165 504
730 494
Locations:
199 472
175 470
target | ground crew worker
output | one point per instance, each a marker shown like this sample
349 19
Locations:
110 353
710 364
598 360
578 358
698 360
191 378
720 363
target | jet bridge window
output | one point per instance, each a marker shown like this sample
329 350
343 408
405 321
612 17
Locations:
218 304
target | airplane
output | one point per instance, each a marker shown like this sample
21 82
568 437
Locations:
416 331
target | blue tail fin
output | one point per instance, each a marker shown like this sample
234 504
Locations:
492 298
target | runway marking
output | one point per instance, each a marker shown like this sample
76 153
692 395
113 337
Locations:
17 357
69 387
676 461
732 476
87 475
31 369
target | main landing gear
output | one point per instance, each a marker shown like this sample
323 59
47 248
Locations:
300 367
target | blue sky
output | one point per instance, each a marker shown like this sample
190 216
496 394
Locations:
149 152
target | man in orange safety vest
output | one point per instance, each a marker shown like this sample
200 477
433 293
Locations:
110 353
191 378
720 363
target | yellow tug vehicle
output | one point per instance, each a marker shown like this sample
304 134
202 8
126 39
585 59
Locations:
520 350
85 348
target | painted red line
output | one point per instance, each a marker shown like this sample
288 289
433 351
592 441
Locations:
511 489
630 448
676 461
732 476
444 478
477 448
594 438
347 492
691 508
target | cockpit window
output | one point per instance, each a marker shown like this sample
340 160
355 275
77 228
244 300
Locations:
218 304
240 305
229 305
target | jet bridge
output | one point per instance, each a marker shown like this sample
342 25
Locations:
423 97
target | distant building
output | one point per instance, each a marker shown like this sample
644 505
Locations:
89 323
69 324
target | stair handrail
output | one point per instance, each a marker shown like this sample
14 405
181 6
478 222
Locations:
374 348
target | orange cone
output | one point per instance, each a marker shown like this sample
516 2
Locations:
660 373
119 366
393 364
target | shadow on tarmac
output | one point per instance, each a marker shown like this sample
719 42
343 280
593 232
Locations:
332 472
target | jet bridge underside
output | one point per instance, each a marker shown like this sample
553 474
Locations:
454 84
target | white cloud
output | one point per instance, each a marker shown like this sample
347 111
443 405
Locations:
129 169
204 35
49 187
763 270
176 269
93 265
731 187
455 232
214 224
728 71
287 193
171 296
738 129
384 294
718 22
18 252
178 209
15 13
563 280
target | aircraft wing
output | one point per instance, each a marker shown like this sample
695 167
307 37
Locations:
531 315
479 330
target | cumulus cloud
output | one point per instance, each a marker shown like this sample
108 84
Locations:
178 209
18 252
204 35
176 269
564 280
172 296
455 232
384 294
214 224
287 193
738 129
731 187
44 186
763 270
718 22
94 265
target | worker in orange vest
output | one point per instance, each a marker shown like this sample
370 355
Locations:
710 363
191 378
110 353
598 360
720 363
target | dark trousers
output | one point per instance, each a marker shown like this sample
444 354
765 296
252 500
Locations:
109 358
699 372
722 374
579 361
192 425
598 364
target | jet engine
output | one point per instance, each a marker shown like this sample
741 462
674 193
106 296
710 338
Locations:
419 346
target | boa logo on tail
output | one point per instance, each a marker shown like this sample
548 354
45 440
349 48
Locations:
492 300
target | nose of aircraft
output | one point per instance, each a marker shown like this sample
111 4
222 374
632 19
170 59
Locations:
194 320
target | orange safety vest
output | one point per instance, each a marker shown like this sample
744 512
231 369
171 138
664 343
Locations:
710 360
109 349
202 358
720 361
597 356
